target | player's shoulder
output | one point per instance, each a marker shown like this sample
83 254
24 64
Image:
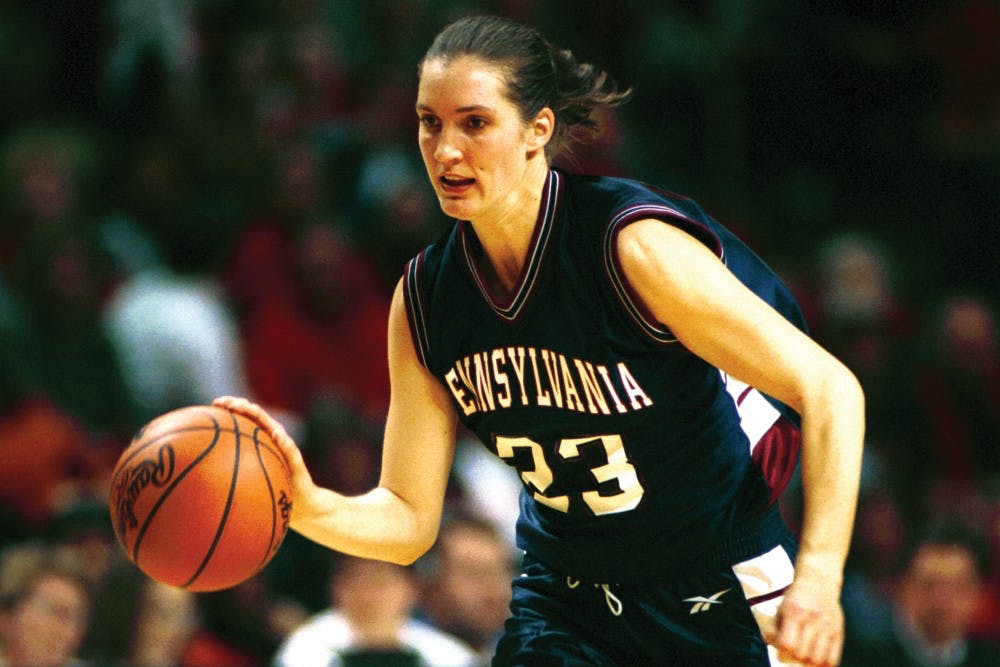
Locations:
617 193
608 204
428 262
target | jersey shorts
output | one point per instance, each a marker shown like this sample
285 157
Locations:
704 618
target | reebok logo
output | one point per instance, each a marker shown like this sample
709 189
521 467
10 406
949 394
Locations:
702 603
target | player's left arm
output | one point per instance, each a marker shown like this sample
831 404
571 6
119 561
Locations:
689 290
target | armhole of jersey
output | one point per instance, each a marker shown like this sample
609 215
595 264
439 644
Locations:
415 309
775 439
629 300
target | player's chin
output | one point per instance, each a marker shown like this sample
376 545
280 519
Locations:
455 212
460 206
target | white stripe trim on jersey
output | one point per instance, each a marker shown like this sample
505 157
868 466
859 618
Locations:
416 308
628 215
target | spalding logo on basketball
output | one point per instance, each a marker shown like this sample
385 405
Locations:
201 498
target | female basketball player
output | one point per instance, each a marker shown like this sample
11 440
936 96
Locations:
591 332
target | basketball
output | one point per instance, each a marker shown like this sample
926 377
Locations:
201 498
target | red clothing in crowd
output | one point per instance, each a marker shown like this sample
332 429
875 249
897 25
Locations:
314 321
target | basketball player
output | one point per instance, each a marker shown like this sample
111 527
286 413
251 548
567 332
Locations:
577 325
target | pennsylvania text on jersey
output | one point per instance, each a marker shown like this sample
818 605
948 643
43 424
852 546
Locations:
522 375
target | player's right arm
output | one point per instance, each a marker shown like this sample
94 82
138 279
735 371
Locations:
398 520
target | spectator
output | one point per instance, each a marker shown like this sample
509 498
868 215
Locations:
862 318
73 358
869 577
325 336
860 311
44 611
485 486
164 625
324 86
344 451
393 213
177 341
56 269
958 392
262 263
172 328
467 589
938 591
240 626
49 176
987 622
48 460
115 613
44 455
370 620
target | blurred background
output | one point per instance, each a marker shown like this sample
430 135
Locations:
206 197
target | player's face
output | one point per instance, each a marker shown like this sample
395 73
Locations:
475 145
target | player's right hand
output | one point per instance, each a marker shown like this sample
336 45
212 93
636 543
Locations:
810 624
302 482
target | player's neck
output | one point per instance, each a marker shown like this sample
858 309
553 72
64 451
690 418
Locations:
506 237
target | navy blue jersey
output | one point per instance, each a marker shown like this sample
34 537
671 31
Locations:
636 455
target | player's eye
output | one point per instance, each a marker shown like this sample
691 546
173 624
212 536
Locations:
476 123
429 122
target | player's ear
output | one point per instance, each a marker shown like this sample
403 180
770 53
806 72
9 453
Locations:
541 128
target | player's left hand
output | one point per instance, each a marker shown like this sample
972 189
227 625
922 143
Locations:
810 623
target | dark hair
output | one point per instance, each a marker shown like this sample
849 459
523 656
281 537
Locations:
538 74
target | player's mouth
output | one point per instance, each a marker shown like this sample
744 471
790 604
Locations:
455 184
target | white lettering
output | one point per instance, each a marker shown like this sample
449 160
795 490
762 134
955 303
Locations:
591 390
517 363
552 370
461 396
490 380
543 397
634 392
573 401
501 378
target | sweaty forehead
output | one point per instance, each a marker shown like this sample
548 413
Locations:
464 81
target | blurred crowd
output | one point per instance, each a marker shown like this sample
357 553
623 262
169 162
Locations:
207 197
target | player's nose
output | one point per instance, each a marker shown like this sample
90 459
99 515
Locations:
448 150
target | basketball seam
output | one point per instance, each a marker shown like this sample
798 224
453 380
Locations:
212 423
139 449
225 511
270 491
149 443
167 491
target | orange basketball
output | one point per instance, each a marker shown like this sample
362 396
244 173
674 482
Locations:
201 498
